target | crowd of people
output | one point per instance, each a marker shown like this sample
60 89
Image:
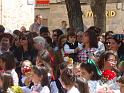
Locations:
63 60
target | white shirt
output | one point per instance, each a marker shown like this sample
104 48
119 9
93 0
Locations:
73 90
68 50
53 87
45 89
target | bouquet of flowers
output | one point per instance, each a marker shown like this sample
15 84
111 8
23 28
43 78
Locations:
108 75
15 89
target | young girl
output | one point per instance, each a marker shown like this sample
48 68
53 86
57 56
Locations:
89 73
40 80
68 81
10 65
6 82
23 77
90 46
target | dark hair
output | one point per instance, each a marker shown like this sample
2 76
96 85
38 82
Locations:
41 73
44 29
2 29
59 41
9 60
36 17
97 30
92 38
68 76
17 32
7 35
7 82
120 50
103 57
108 34
71 31
58 31
29 39
91 68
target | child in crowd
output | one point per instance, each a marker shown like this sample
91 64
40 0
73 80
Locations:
40 80
68 81
72 47
26 64
10 65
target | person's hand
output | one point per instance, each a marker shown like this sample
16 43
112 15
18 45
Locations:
76 50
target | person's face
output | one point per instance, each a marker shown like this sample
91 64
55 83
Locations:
112 44
39 20
38 46
85 74
5 44
45 34
72 39
35 78
79 38
23 29
24 65
17 43
85 38
64 24
63 41
55 36
23 41
111 62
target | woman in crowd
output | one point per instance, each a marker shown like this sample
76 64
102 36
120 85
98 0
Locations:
26 50
108 61
116 46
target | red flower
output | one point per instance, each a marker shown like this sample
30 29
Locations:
26 69
109 74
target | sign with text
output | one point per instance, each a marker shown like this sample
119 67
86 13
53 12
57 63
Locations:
109 13
42 1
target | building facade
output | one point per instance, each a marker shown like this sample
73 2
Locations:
17 13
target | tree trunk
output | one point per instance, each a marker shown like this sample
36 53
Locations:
75 14
98 8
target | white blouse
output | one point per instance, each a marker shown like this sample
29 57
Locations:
45 89
73 90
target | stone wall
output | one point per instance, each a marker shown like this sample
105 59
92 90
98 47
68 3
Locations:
114 22
17 13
